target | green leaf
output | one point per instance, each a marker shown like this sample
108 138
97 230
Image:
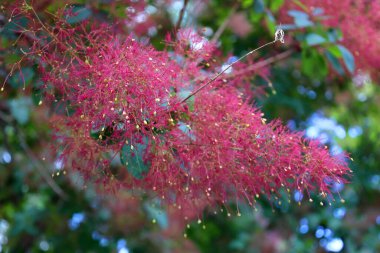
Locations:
288 27
313 64
271 21
298 14
301 19
79 14
21 78
348 58
103 135
157 214
246 3
20 109
313 39
334 62
275 5
11 58
10 29
131 156
317 11
334 50
259 6
334 35
190 102
182 126
271 25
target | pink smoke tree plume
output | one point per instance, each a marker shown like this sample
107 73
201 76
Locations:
156 123
357 20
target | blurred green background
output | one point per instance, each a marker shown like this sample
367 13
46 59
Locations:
315 88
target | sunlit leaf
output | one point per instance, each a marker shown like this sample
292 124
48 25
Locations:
313 39
301 19
334 63
131 156
348 58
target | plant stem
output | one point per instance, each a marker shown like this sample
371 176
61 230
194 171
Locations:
263 63
224 70
181 14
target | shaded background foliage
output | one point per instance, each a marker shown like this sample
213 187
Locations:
313 85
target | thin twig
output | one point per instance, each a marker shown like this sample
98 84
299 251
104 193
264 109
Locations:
224 70
262 63
40 168
224 25
181 14
70 48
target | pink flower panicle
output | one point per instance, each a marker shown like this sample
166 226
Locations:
233 153
122 100
359 23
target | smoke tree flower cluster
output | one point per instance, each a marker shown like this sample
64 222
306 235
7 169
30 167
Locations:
359 23
127 116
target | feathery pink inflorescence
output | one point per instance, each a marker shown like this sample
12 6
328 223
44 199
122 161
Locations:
119 96
359 23
232 153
